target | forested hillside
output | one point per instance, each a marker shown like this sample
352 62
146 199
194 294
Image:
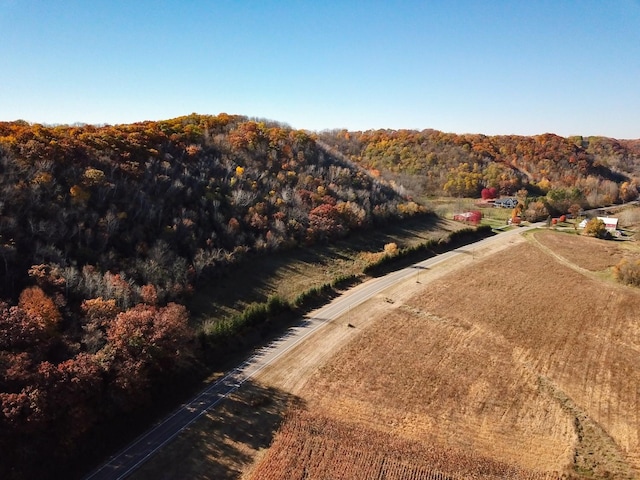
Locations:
105 230
592 171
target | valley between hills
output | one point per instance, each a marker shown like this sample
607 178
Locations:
138 260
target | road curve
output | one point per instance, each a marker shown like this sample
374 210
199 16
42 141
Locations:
125 462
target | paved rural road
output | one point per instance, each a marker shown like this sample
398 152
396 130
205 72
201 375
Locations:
125 462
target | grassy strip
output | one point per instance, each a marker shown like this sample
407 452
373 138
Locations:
286 273
596 454
263 319
409 255
260 320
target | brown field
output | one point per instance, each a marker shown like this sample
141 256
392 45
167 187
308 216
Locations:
585 252
344 451
523 364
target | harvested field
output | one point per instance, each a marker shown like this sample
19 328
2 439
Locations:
586 252
344 451
518 360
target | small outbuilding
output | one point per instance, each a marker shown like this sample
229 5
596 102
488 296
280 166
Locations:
470 217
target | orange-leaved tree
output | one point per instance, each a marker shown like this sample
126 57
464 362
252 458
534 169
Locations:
41 308
143 341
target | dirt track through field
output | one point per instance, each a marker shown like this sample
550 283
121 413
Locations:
507 354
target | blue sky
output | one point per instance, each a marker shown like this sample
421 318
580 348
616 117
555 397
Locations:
493 67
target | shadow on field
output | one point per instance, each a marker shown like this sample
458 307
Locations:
258 276
223 441
410 256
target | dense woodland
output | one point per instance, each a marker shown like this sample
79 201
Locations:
554 171
104 231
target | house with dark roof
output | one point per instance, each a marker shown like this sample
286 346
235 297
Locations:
509 202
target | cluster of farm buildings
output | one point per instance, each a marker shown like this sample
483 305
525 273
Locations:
475 216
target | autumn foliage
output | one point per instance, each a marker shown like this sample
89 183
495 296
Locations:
489 193
35 303
144 342
430 162
595 228
104 231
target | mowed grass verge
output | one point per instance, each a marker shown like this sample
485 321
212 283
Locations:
526 363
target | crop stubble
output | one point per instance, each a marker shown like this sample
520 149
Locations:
516 361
